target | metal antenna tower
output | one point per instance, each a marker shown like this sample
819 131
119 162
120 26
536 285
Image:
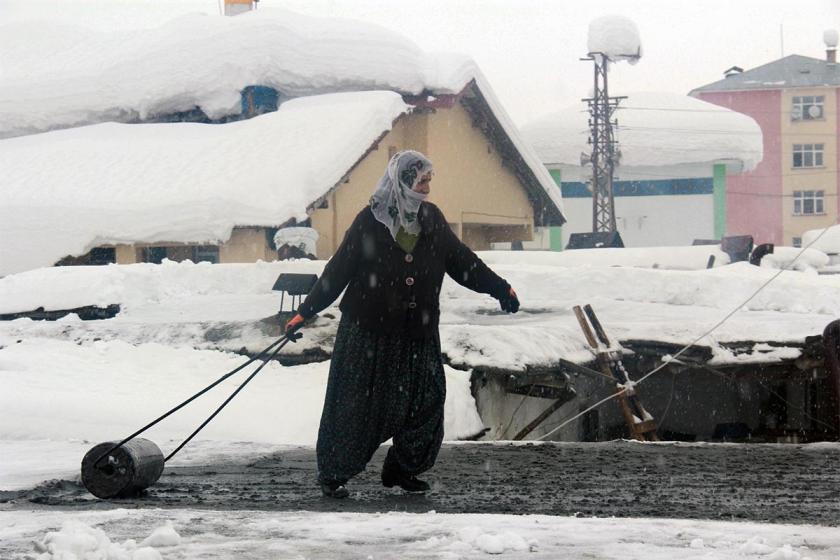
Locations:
604 155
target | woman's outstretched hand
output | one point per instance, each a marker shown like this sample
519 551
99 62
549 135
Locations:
509 302
292 327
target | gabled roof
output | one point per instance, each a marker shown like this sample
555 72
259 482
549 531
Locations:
792 71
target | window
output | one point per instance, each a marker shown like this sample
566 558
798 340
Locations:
206 253
807 155
179 253
797 242
807 108
808 202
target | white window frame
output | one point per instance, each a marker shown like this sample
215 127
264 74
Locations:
801 105
205 253
810 155
809 203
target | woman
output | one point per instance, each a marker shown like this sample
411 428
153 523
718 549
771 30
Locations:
386 377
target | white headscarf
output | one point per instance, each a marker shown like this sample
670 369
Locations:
394 202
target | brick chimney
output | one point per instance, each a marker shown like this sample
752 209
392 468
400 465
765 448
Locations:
830 39
236 7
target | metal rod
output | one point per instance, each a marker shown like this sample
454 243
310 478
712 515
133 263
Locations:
189 400
230 398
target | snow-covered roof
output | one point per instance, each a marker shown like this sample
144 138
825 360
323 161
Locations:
57 75
791 71
65 192
205 62
654 129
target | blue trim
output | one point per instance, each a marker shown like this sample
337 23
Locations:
700 185
257 100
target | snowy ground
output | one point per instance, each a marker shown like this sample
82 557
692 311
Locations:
70 384
111 376
147 535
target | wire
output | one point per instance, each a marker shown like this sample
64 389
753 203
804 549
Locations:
673 110
513 414
670 398
722 110
682 350
751 175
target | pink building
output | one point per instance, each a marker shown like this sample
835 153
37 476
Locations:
796 102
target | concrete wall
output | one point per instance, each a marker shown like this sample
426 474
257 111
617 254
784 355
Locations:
471 186
822 131
754 201
126 254
246 245
648 221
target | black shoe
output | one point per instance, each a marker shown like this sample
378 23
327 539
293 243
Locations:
334 489
409 483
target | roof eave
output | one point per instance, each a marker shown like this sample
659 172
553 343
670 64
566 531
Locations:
546 213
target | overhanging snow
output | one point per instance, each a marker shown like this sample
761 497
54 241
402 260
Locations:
67 191
654 129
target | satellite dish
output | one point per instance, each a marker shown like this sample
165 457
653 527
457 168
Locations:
796 113
830 38
815 111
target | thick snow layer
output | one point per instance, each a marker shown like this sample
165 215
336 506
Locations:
694 257
65 192
204 61
794 258
304 238
185 303
826 240
654 129
616 37
204 534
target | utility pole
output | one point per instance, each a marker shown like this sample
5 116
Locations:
604 156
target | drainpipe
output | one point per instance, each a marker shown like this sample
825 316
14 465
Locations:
555 233
719 197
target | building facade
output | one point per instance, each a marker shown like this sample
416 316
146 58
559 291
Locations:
795 101
676 153
484 185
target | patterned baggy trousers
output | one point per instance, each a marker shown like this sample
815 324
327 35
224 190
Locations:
381 386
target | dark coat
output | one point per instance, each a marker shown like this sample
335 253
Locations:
389 290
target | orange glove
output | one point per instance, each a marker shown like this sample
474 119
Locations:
293 325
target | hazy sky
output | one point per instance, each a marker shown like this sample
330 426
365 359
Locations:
529 49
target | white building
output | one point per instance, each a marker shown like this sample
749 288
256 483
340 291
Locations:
669 186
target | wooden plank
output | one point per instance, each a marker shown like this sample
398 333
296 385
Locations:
596 324
539 419
584 326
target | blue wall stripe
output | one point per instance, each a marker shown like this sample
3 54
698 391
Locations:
700 185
